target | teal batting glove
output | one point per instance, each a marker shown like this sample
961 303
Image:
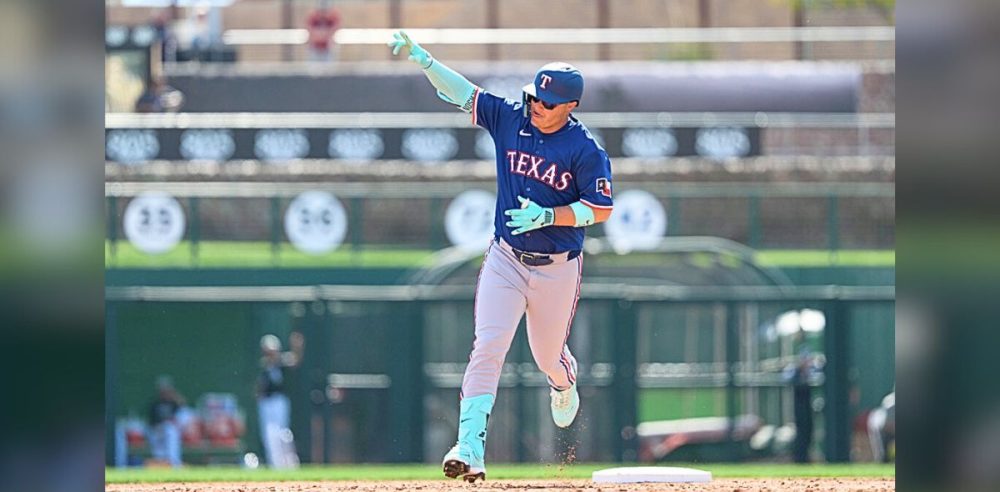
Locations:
529 217
418 55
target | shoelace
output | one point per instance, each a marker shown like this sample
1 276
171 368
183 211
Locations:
561 399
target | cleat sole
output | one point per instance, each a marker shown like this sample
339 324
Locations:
471 478
454 468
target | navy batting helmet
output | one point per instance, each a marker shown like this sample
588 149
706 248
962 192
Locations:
556 83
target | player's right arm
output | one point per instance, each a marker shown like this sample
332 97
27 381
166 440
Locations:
451 86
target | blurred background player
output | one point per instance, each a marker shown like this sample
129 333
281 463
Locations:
801 376
554 179
322 23
882 429
164 428
274 408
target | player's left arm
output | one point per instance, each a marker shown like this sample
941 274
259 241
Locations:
533 216
580 214
593 186
593 207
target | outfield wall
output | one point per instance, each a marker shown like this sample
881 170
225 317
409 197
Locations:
421 346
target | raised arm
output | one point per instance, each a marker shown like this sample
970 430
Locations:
451 86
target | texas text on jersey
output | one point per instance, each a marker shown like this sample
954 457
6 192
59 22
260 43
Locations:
553 169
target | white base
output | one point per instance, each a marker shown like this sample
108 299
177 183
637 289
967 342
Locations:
666 474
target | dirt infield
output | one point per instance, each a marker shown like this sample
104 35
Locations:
719 485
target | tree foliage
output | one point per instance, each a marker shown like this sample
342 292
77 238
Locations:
887 7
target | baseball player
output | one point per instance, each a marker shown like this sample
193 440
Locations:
553 179
273 406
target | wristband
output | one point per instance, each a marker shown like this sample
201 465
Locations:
583 214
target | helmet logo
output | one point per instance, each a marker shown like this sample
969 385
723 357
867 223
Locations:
545 81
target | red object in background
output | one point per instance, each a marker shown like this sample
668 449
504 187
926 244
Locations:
223 429
860 422
134 437
321 25
191 434
220 432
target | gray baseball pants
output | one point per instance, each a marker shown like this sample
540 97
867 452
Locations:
508 289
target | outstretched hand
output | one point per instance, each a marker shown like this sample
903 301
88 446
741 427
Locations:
529 217
418 55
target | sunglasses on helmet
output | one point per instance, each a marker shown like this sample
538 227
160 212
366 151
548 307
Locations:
532 99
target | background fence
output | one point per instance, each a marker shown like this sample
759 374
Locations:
826 216
383 365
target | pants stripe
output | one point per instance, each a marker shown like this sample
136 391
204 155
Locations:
564 357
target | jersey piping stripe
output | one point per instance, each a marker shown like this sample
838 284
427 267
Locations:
475 107
475 306
591 205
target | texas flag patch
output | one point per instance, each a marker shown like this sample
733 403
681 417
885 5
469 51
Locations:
604 187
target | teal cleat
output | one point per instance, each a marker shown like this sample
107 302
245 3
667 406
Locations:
462 461
467 458
565 405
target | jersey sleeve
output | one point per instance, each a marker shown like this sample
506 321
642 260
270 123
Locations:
493 112
593 179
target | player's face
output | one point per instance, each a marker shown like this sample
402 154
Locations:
549 120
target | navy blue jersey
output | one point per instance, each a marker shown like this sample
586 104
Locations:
553 170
